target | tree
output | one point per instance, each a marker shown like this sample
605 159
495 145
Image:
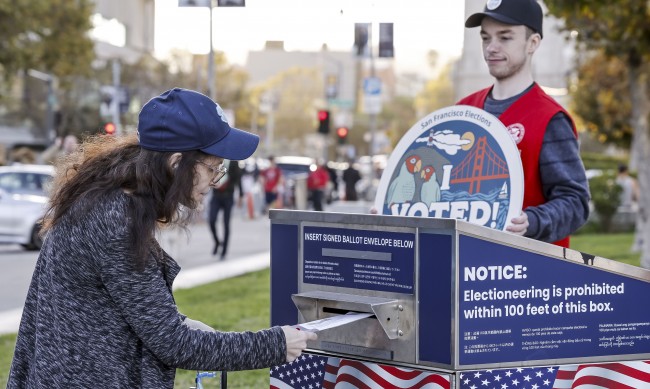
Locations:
47 35
621 30
398 117
437 93
291 107
601 98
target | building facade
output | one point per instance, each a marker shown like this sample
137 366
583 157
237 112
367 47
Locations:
124 29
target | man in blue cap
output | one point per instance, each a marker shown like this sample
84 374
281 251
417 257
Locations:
556 191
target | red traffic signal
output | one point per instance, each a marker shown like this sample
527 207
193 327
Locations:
324 121
323 115
342 133
109 128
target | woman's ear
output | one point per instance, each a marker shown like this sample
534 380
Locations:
174 160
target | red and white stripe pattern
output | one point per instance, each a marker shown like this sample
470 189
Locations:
346 374
622 375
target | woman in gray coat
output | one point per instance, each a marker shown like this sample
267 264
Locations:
100 310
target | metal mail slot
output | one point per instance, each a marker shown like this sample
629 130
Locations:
390 334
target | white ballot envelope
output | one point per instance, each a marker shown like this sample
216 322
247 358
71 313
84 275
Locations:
332 322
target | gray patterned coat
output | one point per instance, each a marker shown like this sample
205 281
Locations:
92 320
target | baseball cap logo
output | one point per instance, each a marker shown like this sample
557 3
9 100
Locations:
493 4
221 114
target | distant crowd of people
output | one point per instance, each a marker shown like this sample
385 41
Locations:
237 187
245 179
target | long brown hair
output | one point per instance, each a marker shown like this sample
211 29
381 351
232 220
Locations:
106 163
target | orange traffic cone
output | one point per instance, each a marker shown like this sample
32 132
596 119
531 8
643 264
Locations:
250 205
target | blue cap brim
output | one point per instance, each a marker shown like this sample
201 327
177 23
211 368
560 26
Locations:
236 145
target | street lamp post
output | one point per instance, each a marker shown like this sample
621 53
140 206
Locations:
117 96
51 100
210 5
332 91
211 70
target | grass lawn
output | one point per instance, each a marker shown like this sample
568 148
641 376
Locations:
242 303
612 246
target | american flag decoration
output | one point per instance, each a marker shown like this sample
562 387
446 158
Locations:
620 375
346 373
316 372
305 372
519 378
313 372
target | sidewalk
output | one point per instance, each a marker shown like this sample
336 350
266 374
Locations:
10 320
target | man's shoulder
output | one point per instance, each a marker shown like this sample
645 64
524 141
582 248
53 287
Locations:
475 98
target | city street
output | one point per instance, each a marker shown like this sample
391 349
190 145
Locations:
248 250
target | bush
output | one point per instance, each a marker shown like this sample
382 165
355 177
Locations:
601 161
605 196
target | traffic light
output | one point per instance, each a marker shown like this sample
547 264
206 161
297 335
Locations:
342 133
324 121
109 128
361 35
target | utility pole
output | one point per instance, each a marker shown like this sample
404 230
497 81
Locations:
117 96
209 4
50 132
211 67
372 123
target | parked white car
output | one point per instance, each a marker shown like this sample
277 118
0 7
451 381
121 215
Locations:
23 200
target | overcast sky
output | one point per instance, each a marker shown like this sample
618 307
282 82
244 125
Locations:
419 26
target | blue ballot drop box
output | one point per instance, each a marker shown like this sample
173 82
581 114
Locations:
449 296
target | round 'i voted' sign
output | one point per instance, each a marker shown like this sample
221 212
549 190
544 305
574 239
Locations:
459 162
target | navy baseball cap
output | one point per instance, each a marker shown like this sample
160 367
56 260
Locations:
184 120
515 12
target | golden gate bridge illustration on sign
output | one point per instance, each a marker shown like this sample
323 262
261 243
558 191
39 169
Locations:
481 164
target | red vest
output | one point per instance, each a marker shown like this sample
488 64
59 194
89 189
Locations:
526 119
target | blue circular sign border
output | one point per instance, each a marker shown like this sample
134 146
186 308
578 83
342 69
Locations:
477 117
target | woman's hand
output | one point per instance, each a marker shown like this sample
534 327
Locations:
296 341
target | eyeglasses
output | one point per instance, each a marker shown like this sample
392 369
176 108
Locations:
217 172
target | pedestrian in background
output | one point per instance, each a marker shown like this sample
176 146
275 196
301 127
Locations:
556 191
100 308
317 181
350 177
334 179
223 198
254 197
628 202
60 148
271 181
630 189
